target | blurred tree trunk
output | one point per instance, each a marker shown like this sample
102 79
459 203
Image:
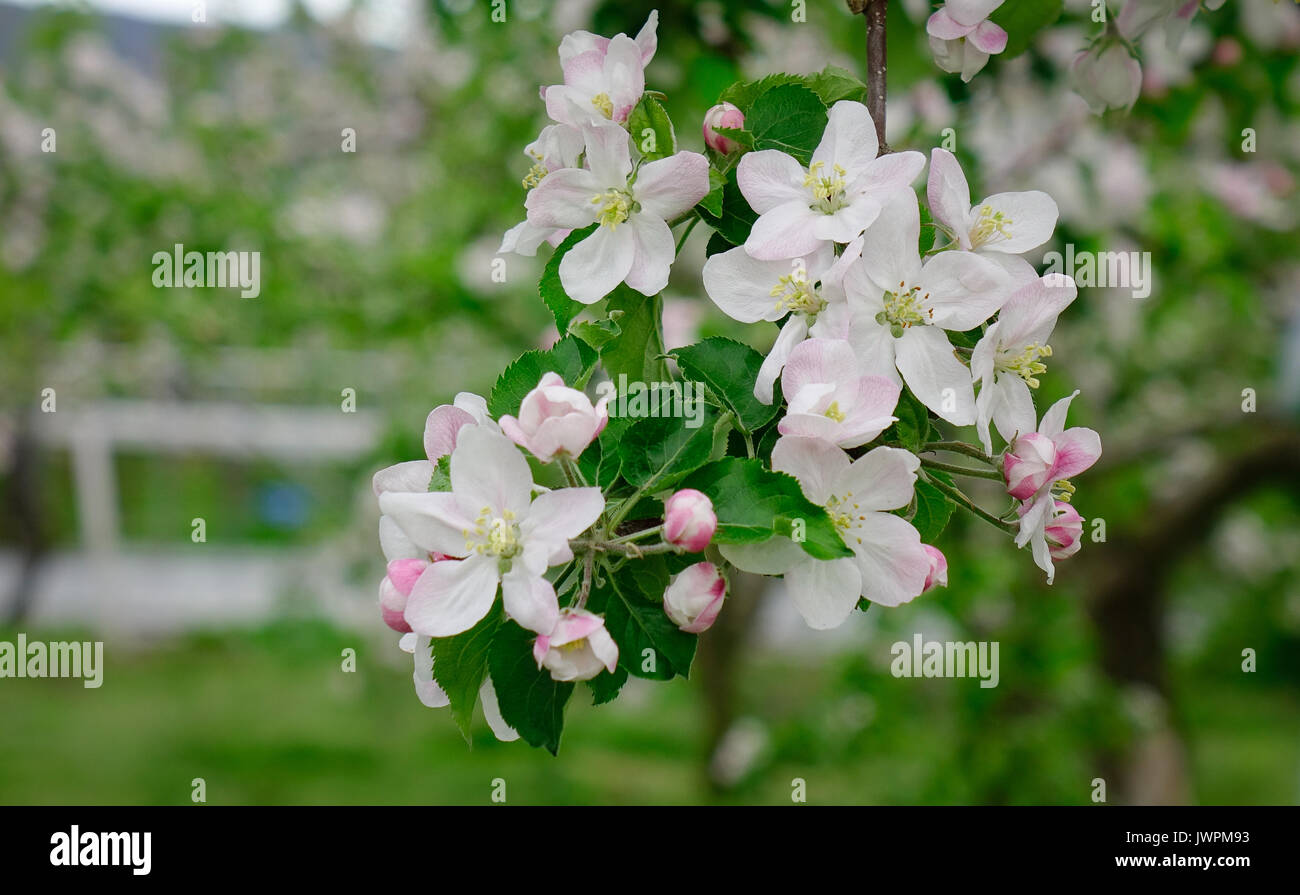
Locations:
23 505
721 651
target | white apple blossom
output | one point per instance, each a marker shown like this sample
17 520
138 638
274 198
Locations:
899 309
577 647
828 396
1004 223
962 38
889 565
633 243
499 534
750 290
1009 358
834 199
603 77
558 146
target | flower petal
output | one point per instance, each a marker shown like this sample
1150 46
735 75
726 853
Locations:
563 199
963 289
881 479
413 475
825 592
784 232
453 595
936 377
487 694
654 253
741 286
816 464
440 429
668 187
594 267
849 140
792 333
949 194
434 521
1076 450
893 563
488 470
769 178
1030 219
530 600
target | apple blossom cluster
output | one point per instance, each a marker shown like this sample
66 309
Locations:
1107 73
548 539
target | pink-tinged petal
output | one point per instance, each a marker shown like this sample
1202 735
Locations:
889 248
936 377
973 61
669 187
440 430
1033 515
1076 450
1030 221
647 39
453 595
741 286
624 76
890 174
792 333
563 513
938 576
847 224
988 38
403 574
568 434
962 290
949 194
488 470
654 254
816 464
584 70
849 140
784 232
395 544
803 425
824 592
1053 423
818 361
574 625
604 647
971 12
769 178
413 475
881 479
487 695
891 558
876 398
530 600
945 27
563 199
608 155
775 556
395 620
1029 315
434 521
594 267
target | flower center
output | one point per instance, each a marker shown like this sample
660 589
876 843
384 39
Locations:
793 292
615 207
827 192
603 104
904 308
572 646
840 509
1026 365
991 227
1063 489
493 535
833 412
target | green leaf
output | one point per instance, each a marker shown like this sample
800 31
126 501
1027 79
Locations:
753 503
530 701
790 118
596 333
736 219
730 369
658 451
570 357
717 243
441 478
743 95
712 201
933 509
635 351
1022 21
605 686
460 664
912 429
563 308
632 603
833 84
652 129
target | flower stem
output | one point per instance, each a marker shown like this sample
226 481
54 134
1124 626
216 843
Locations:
960 498
626 549
623 539
585 590
960 447
681 241
961 470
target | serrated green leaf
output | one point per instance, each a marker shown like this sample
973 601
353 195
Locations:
933 509
605 687
717 243
833 84
790 118
549 287
743 95
753 503
441 478
596 333
712 201
570 357
912 429
652 129
656 452
729 368
636 351
530 701
632 603
460 664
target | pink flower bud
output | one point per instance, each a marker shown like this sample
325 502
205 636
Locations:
722 115
1064 530
397 586
694 597
938 574
578 647
555 420
1027 464
689 520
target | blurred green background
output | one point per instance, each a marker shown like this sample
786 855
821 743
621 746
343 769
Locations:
224 659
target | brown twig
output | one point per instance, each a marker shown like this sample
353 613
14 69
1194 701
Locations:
875 12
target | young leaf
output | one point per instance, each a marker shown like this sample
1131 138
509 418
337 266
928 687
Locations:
790 118
563 308
441 478
753 503
635 351
912 429
570 357
460 664
712 201
933 510
833 84
656 452
729 368
530 701
652 129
